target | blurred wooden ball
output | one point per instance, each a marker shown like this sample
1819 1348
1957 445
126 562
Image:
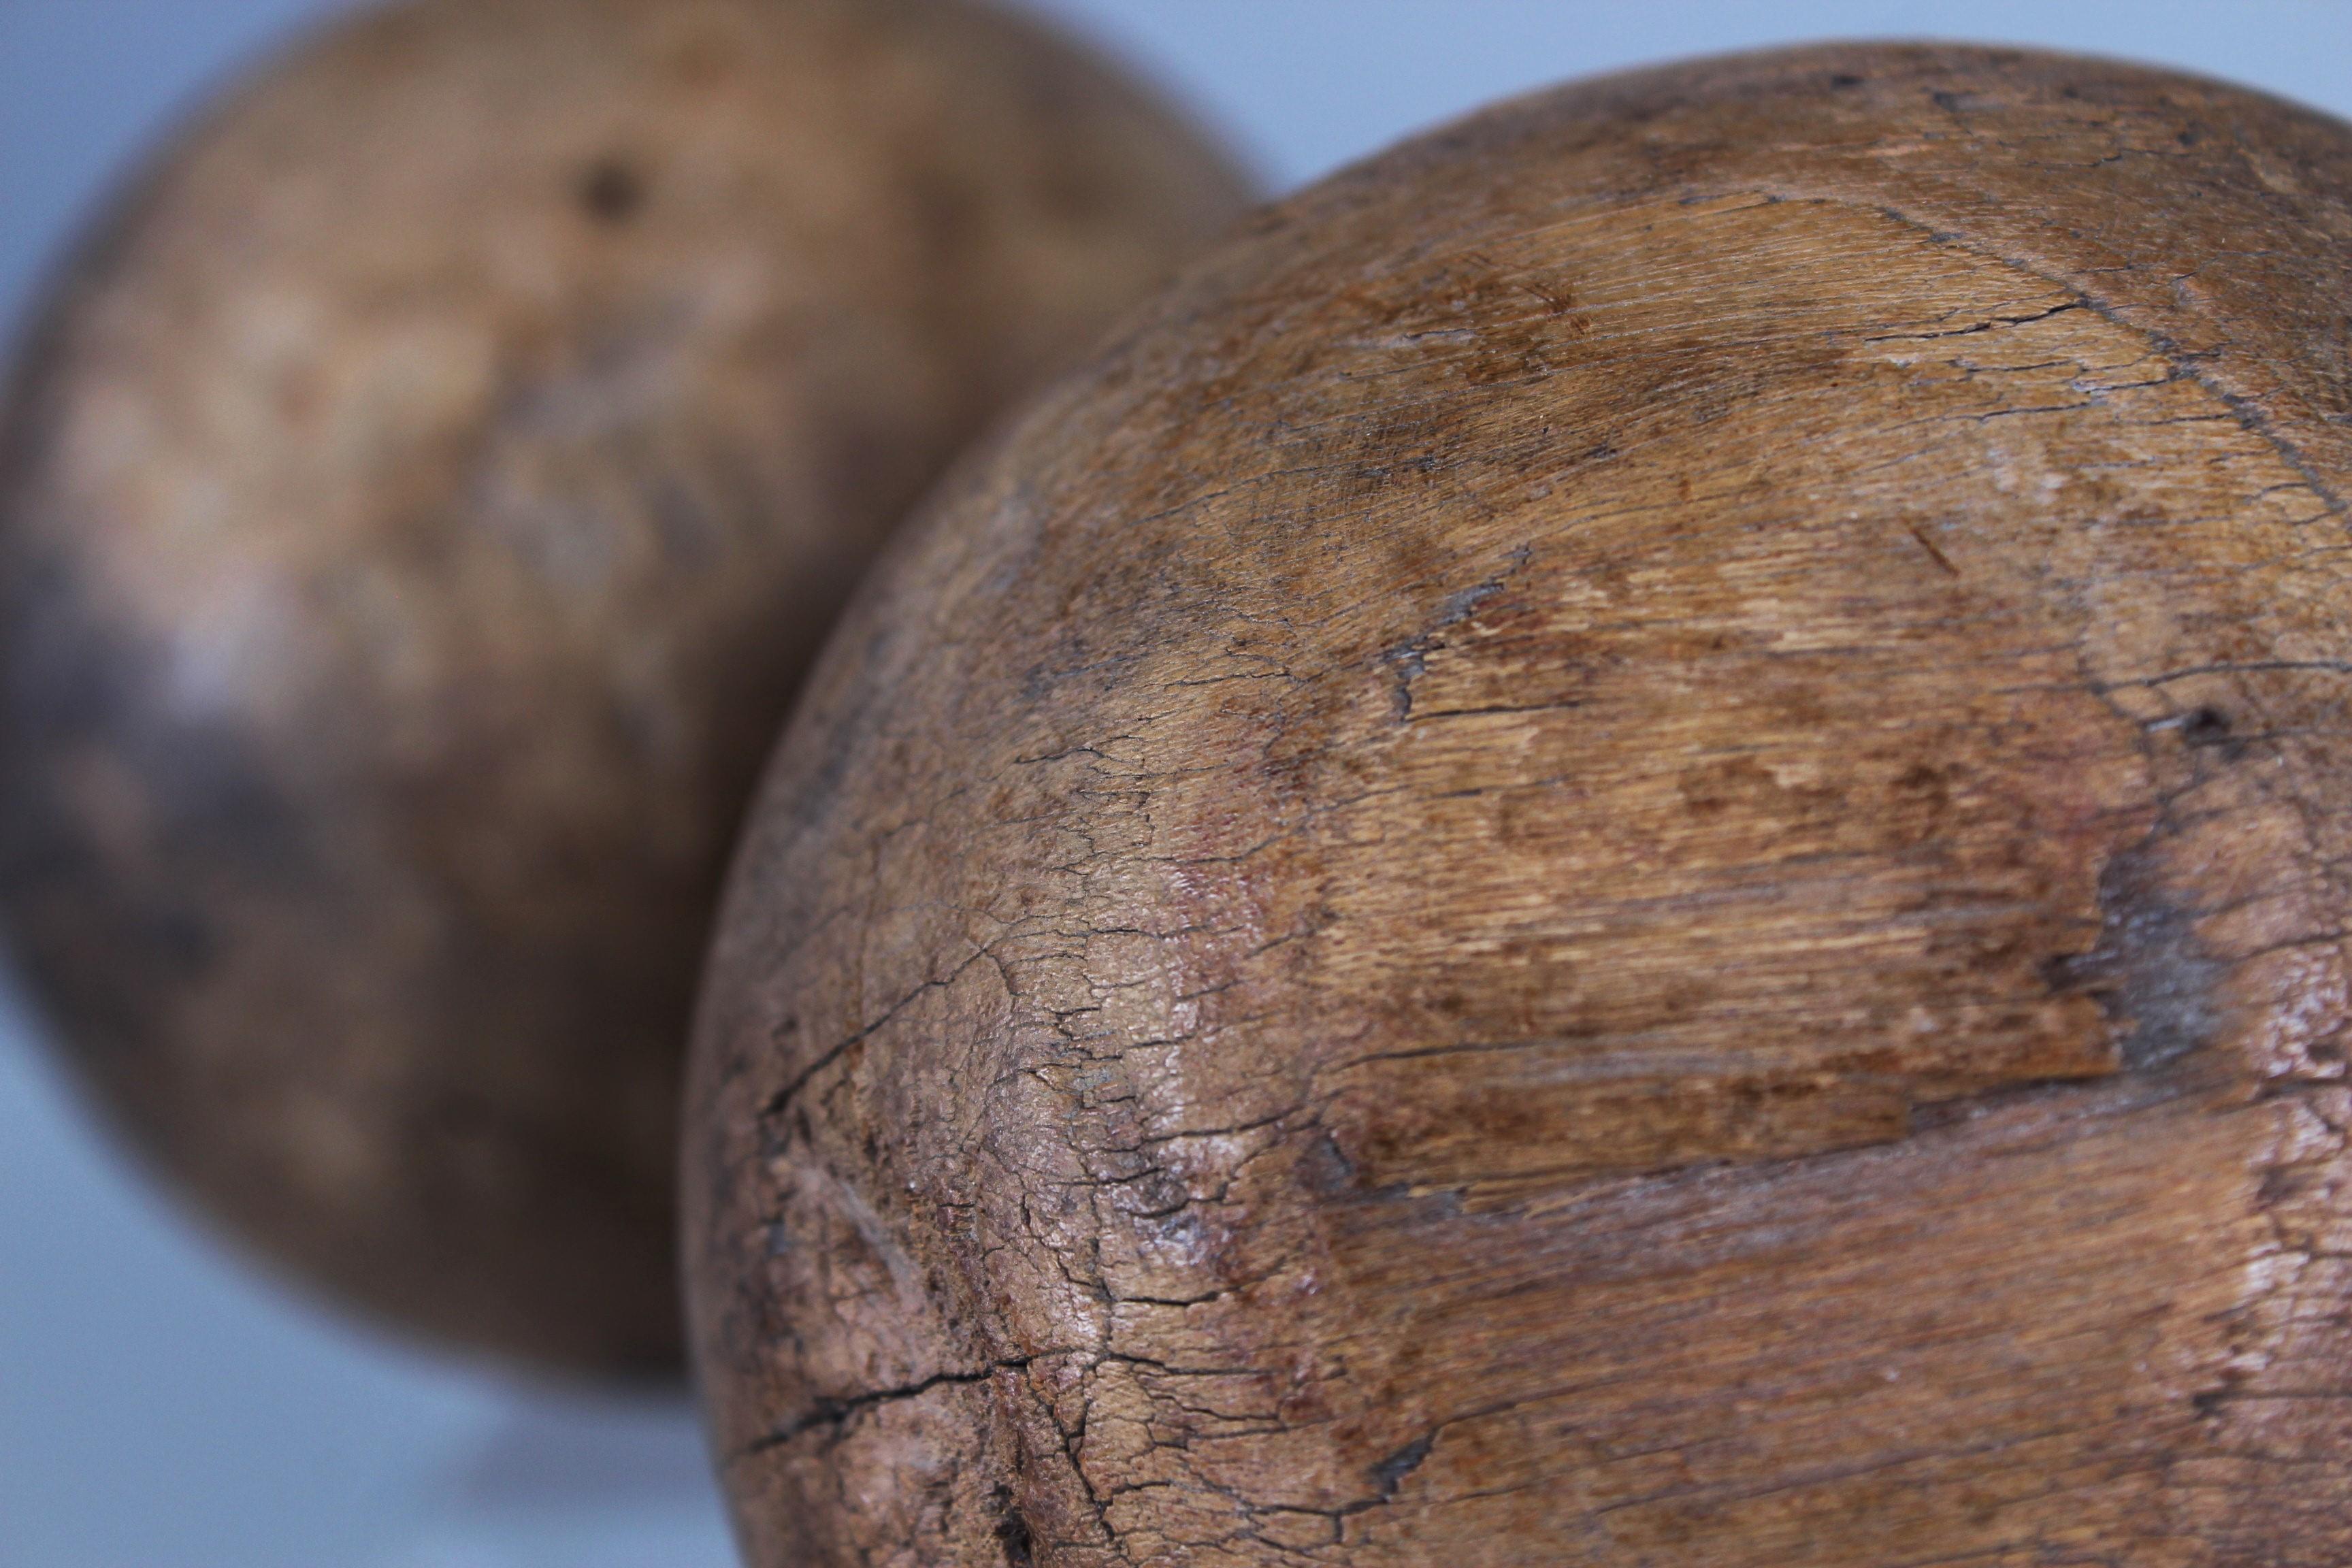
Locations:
421 499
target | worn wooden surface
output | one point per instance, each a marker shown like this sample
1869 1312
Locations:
1628 849
419 506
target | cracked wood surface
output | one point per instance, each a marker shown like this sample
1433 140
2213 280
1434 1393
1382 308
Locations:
1625 847
419 506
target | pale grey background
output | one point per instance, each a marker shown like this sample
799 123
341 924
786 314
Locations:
160 1406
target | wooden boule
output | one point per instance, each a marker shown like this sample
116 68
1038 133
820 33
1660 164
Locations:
417 505
1625 848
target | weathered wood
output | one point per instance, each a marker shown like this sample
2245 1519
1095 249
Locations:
420 504
1626 849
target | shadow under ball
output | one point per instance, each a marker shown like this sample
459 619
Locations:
1626 848
420 502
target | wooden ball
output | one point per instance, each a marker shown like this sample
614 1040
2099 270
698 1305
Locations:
419 504
1625 850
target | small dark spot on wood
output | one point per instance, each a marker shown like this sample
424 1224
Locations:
611 192
1846 80
1324 1167
1391 1471
2149 972
2206 727
2208 1402
2280 1184
1013 1533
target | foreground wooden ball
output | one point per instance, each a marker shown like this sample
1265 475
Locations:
418 509
1626 850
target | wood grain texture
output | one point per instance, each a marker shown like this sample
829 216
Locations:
419 506
1627 849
